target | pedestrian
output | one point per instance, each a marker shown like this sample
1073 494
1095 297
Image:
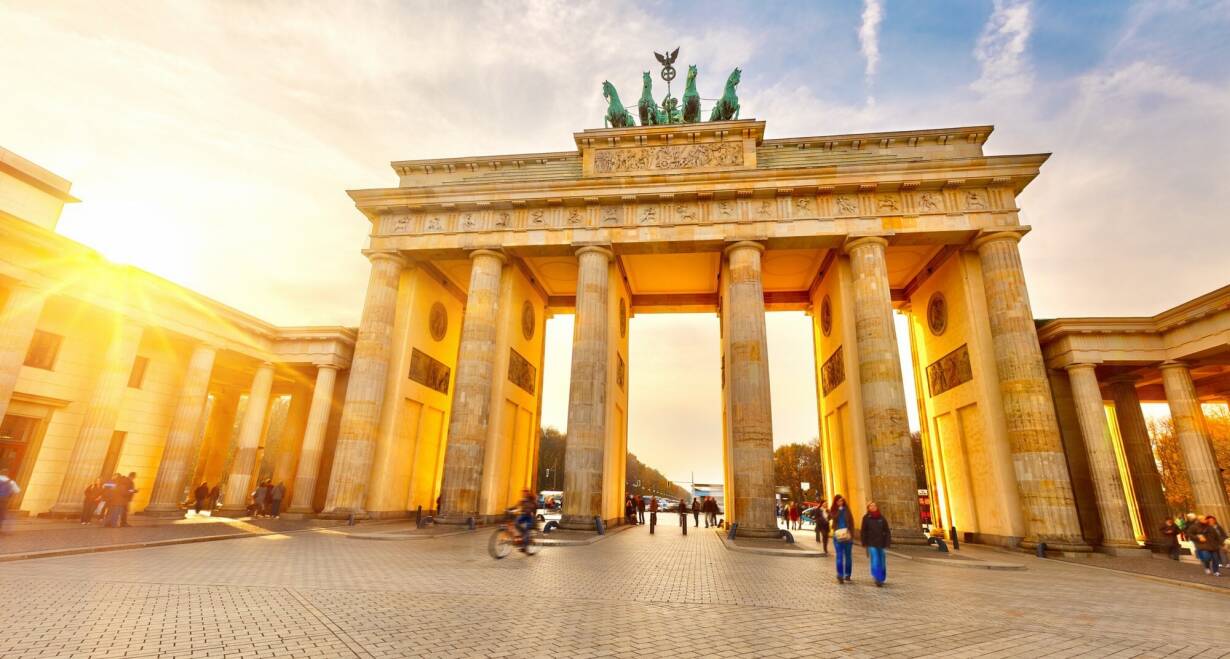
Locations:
706 507
128 489
8 490
1208 538
278 492
822 527
258 499
640 510
200 494
1170 538
629 510
90 500
695 512
842 522
114 493
215 495
876 538
683 515
653 514
794 514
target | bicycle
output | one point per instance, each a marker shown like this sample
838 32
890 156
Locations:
507 536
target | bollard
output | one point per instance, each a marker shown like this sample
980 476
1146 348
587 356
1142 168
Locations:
653 521
952 534
350 520
940 545
550 526
598 525
470 523
426 521
418 516
1040 550
787 536
734 528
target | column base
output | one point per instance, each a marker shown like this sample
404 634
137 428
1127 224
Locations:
913 537
63 511
299 513
765 532
583 523
233 511
343 513
1061 545
1125 550
164 512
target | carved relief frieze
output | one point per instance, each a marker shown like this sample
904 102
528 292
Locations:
887 204
661 158
928 202
574 217
763 209
686 213
429 371
833 372
949 371
846 204
647 214
975 200
611 215
521 372
803 207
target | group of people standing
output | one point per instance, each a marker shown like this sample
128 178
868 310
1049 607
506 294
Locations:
109 500
791 514
634 510
1206 535
874 534
202 494
267 499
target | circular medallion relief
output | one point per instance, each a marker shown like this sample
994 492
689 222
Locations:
826 316
937 313
437 321
527 320
623 319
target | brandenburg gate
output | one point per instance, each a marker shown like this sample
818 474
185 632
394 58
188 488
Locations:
469 256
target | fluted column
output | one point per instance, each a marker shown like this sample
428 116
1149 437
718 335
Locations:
751 421
94 437
18 320
1142 464
1117 530
356 437
313 440
894 485
239 481
584 454
181 445
1033 433
1193 434
467 426
1077 456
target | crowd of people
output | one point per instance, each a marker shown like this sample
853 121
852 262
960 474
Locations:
267 499
634 509
1207 536
108 501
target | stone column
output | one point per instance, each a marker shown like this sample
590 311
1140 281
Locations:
356 438
18 321
1033 433
467 425
94 436
894 485
1078 457
1117 533
1142 464
181 445
239 481
584 452
751 421
1193 434
313 440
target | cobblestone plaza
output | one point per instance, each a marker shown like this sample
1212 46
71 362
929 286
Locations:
320 593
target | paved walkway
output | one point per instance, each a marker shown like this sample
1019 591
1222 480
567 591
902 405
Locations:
319 593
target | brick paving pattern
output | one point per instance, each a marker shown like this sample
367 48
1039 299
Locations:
321 594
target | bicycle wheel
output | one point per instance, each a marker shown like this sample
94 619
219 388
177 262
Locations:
533 547
500 544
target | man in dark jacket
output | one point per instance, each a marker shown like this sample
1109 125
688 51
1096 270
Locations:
695 512
128 488
1208 538
876 538
1170 537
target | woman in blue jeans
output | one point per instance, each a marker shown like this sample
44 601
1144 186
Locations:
876 538
843 537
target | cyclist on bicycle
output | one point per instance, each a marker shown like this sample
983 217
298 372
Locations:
525 516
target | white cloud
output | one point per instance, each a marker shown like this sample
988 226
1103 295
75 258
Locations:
1001 49
869 37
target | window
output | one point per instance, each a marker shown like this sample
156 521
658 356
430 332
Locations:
43 349
137 376
113 454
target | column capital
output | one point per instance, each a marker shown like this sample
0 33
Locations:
991 235
1124 378
1174 363
605 250
327 364
375 255
744 244
854 242
1080 366
496 252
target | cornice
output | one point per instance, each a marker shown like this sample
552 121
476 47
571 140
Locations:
1208 304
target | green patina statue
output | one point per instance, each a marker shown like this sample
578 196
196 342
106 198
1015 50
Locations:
728 106
671 111
651 114
691 98
616 115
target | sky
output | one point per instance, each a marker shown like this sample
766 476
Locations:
212 142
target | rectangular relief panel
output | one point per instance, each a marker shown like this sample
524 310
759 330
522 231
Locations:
429 371
521 372
833 372
949 371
